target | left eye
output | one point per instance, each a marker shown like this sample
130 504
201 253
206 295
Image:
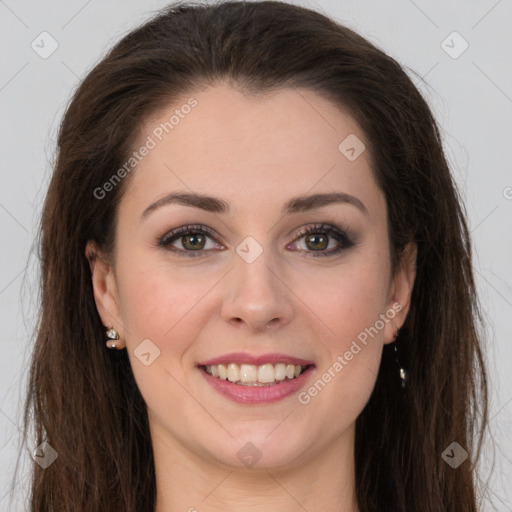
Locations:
318 238
194 238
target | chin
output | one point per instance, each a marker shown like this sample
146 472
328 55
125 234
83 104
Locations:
260 450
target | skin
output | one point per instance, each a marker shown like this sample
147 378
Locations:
255 154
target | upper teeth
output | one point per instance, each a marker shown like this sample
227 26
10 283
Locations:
252 374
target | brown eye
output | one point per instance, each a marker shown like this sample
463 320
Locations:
318 238
318 242
193 243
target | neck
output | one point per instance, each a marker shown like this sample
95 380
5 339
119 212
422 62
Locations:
321 481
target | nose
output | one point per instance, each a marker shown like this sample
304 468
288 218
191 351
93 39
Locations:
256 294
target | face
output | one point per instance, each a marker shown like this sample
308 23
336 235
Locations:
257 272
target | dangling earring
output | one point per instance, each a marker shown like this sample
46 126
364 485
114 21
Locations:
402 371
112 334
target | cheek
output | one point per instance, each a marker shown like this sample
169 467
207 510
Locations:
353 339
154 299
350 299
162 306
168 306
351 304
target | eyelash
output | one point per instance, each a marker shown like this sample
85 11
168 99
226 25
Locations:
327 229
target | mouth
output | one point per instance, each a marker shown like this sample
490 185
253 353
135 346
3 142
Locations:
257 384
251 375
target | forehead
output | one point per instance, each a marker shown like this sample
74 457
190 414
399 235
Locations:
254 150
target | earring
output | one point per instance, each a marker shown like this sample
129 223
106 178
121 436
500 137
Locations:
112 334
401 370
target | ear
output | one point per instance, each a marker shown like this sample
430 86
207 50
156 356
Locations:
400 292
105 290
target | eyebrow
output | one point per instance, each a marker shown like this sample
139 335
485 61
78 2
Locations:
217 205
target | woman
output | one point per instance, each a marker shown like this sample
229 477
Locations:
257 290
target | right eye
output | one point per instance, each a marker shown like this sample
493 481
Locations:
193 240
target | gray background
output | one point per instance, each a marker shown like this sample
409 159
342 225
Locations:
471 96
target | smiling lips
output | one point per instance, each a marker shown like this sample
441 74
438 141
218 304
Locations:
256 379
244 358
250 374
246 369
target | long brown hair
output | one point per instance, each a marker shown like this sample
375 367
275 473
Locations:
83 400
